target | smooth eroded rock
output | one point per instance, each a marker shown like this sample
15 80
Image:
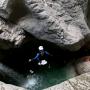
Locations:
83 65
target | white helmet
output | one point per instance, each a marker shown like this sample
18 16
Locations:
40 48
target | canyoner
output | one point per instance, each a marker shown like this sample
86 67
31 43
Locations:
41 58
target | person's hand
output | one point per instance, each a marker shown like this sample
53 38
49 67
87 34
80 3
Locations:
30 60
39 63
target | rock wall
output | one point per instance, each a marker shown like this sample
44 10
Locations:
5 8
10 36
61 22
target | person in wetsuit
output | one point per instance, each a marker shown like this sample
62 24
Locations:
41 57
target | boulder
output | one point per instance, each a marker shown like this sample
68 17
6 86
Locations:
83 65
61 22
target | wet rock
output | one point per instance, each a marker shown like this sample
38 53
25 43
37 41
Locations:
83 65
61 22
81 82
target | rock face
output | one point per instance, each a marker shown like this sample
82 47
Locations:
83 65
4 86
81 82
10 36
62 22
5 8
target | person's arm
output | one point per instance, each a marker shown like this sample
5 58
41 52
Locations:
35 58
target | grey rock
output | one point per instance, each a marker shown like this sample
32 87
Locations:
61 22
83 65
10 36
5 8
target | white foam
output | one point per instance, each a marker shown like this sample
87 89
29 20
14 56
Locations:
30 83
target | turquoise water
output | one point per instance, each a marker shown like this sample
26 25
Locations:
49 77
43 78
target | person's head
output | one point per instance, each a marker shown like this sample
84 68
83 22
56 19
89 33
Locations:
40 48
